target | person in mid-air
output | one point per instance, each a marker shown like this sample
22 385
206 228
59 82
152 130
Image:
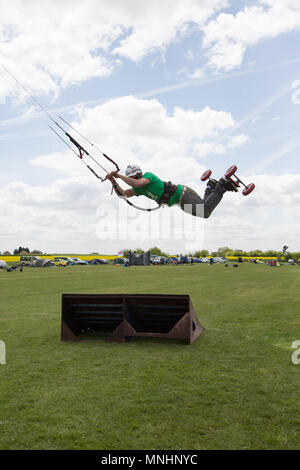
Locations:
149 185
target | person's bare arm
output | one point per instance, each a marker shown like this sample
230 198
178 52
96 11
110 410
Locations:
120 191
135 183
129 193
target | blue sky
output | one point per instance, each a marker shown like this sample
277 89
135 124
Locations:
176 87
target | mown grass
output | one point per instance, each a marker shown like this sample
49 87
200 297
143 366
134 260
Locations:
234 388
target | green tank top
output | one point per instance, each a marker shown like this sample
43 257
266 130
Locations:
155 188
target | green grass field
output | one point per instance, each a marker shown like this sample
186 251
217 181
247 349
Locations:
234 388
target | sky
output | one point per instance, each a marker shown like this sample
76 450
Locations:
175 87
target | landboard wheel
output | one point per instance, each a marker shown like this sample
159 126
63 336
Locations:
230 171
207 174
248 189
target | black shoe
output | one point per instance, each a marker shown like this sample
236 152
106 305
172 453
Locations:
212 183
228 184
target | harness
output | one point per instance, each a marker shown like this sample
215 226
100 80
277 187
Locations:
169 190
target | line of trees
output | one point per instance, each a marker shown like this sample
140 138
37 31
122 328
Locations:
225 252
22 251
154 251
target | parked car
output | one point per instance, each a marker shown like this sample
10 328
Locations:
2 264
67 260
98 261
79 261
59 262
220 259
119 261
93 261
28 260
160 260
205 260
172 260
197 260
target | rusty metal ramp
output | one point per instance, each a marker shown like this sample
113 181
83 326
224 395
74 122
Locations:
118 317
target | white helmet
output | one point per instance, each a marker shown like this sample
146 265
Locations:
132 170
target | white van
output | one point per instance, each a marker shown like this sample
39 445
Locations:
27 260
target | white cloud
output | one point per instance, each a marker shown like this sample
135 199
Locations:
228 36
238 140
206 148
58 216
54 44
162 22
213 147
69 194
265 219
196 74
65 163
76 215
